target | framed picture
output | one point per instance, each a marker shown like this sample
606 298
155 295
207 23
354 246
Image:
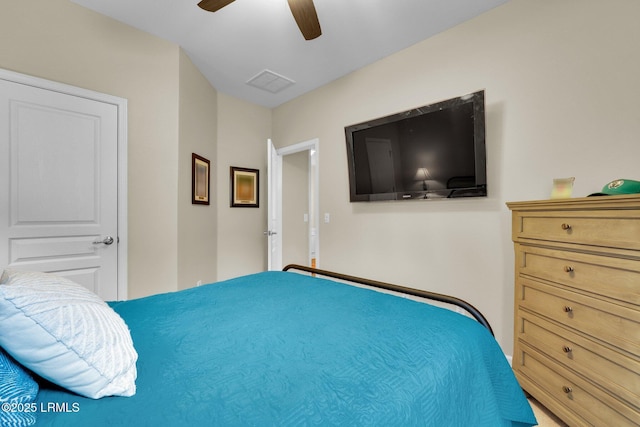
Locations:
244 187
200 177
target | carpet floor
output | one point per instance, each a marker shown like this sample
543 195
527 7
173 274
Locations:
544 417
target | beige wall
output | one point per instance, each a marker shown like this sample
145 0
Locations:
243 130
197 224
61 41
561 80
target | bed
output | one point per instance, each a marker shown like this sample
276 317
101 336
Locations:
293 348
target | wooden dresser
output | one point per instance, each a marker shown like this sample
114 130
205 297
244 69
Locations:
577 307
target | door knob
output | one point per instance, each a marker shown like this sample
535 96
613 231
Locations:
107 241
270 233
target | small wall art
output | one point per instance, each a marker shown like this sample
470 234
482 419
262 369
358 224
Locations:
200 178
245 188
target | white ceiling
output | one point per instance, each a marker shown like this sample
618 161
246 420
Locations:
236 43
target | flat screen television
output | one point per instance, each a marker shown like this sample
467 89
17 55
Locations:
435 151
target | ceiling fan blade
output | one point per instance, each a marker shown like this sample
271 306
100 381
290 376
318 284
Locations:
214 5
305 15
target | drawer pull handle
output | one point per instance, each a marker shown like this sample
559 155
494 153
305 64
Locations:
567 389
566 226
567 349
568 309
568 269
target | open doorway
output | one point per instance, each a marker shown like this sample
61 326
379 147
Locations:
293 208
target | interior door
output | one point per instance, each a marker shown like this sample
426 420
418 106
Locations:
59 185
275 196
274 208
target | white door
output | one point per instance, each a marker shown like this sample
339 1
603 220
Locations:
274 201
274 208
59 185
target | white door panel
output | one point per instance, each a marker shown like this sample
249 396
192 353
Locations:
274 208
59 186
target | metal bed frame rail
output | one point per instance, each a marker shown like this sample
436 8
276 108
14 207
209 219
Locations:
396 288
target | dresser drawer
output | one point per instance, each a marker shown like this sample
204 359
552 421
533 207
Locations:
603 321
579 396
618 374
616 278
611 229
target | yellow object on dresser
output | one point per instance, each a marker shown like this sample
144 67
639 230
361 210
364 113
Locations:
577 307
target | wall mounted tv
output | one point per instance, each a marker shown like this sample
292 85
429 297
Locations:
435 151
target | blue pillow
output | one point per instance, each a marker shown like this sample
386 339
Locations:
18 393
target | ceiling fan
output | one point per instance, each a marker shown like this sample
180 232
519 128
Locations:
303 11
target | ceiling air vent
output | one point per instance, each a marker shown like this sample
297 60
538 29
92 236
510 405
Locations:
270 81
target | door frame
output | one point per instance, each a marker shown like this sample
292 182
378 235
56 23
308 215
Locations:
121 105
275 202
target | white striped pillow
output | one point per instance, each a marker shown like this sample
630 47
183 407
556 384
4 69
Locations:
66 334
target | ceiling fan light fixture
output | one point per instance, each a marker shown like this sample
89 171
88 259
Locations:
214 5
304 12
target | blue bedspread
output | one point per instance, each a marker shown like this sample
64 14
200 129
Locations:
280 349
